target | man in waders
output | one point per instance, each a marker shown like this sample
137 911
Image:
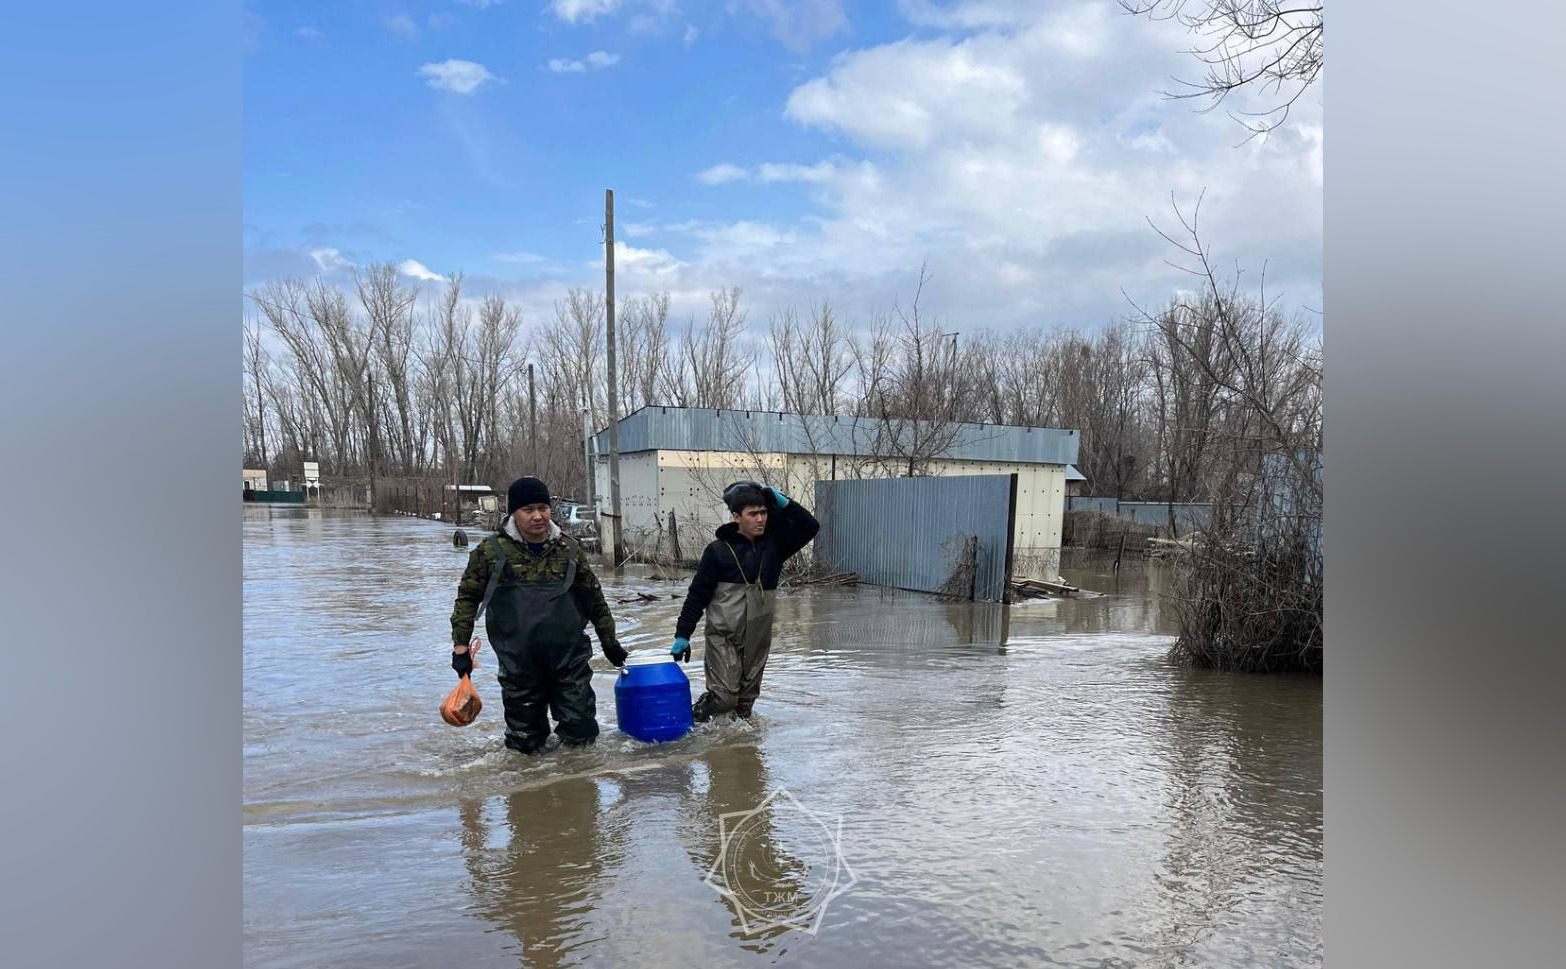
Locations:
735 585
538 595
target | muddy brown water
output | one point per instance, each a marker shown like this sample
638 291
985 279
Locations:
924 784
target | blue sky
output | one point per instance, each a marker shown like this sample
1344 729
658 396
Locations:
818 149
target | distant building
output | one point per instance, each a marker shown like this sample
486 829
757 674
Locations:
478 503
1075 481
255 479
675 459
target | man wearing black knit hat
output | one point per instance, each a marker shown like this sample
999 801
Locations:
538 594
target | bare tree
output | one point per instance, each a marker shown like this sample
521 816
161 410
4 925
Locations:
812 360
1187 403
1251 595
256 364
312 321
643 350
715 356
1272 46
1260 359
446 376
390 308
916 404
1111 434
872 353
985 360
497 365
573 349
350 340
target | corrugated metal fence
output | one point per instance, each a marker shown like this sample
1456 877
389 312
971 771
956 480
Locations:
1188 516
937 534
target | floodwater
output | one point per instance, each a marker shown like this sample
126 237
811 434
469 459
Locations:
923 784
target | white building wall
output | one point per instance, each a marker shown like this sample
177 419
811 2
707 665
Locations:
638 498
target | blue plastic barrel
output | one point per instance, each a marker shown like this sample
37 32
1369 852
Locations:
652 698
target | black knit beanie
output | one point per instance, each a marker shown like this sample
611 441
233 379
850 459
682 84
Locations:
526 491
742 495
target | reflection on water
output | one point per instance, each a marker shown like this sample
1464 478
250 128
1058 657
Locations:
1016 785
537 869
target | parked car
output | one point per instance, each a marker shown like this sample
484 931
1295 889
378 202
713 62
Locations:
578 520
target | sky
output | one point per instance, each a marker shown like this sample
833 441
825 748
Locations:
806 150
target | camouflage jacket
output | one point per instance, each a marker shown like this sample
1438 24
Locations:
552 564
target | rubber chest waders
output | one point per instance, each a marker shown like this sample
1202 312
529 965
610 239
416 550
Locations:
537 630
739 640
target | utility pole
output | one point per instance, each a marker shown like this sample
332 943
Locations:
614 392
532 417
587 457
374 439
951 377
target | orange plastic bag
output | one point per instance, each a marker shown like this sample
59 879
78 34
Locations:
462 705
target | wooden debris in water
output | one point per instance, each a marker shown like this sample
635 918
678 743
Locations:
640 597
1158 548
1038 588
648 597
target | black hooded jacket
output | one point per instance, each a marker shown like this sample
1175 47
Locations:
733 558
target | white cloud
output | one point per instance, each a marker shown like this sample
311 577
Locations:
311 34
404 25
1020 151
329 260
907 94
1151 141
798 24
691 33
969 14
740 238
580 11
767 172
459 77
414 269
645 267
1313 136
788 172
1023 162
722 173
482 4
689 225
597 60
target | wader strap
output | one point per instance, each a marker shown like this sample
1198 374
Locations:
570 576
494 577
741 568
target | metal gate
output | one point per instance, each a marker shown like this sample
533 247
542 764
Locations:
950 535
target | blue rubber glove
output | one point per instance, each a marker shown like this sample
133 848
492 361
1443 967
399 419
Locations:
778 496
681 650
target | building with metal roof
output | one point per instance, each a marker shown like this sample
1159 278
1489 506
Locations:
676 461
658 428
